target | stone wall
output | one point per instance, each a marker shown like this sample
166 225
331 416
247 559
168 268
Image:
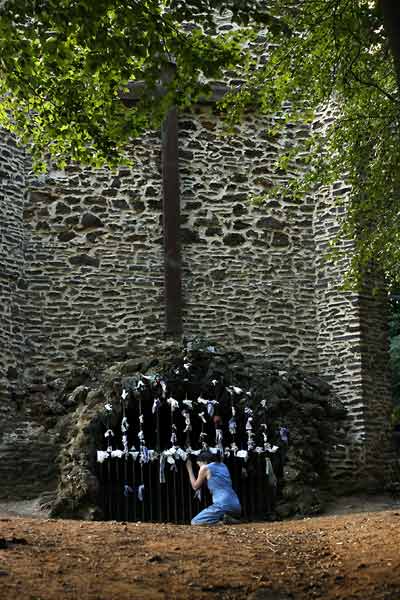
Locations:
94 250
374 313
352 344
26 451
82 281
338 338
248 271
12 281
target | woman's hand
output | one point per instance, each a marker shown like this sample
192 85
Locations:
189 465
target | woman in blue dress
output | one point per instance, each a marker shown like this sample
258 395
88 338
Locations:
225 506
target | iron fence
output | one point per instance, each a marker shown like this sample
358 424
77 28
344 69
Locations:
130 491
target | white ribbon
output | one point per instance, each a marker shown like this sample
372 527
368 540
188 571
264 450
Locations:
242 454
150 378
181 454
144 455
250 440
271 449
124 425
203 440
117 454
269 471
102 455
188 425
141 492
174 404
219 436
211 406
235 389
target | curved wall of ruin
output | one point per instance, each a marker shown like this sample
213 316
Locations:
12 280
248 270
94 248
95 254
82 280
352 343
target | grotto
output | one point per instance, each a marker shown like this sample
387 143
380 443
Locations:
130 435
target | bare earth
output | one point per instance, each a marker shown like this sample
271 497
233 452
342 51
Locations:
353 555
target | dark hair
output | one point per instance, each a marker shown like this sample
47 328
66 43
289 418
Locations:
208 457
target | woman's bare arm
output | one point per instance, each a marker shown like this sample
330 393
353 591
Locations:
201 476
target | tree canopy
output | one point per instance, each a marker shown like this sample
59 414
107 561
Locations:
64 65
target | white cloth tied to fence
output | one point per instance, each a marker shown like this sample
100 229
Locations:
171 456
269 471
242 454
211 407
174 404
188 425
102 455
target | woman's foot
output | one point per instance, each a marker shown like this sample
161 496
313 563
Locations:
228 519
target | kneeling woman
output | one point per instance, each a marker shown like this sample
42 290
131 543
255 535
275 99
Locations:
225 501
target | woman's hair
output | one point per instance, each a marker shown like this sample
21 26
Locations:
208 457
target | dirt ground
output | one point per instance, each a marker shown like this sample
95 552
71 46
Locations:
352 555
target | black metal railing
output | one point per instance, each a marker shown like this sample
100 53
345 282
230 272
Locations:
122 497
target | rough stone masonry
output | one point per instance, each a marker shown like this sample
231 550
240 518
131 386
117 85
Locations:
82 283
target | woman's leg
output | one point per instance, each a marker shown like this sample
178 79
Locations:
209 516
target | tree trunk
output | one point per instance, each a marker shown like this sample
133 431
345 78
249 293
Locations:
390 10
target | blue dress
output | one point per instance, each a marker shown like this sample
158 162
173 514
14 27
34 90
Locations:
224 498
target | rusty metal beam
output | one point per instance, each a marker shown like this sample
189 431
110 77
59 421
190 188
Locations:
171 224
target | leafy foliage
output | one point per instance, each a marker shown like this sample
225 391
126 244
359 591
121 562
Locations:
64 65
335 54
